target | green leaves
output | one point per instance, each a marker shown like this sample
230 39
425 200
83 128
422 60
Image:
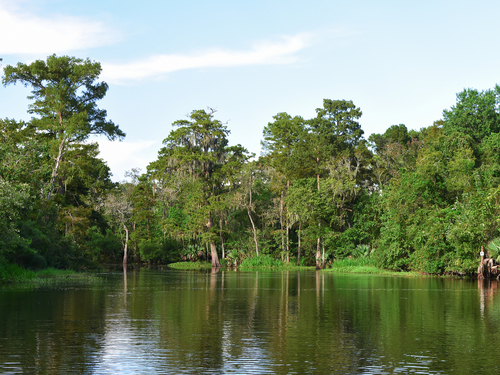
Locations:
13 199
475 114
64 94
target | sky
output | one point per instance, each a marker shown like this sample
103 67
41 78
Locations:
401 62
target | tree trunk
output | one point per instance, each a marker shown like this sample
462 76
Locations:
251 220
287 227
318 254
254 232
323 265
222 240
281 223
56 168
318 250
125 249
213 248
287 240
215 257
298 247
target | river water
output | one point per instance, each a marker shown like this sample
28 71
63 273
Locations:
307 322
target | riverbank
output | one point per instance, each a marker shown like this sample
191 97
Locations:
365 266
12 273
262 262
360 265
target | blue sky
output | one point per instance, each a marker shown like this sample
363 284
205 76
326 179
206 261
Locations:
399 61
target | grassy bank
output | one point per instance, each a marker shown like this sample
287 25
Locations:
364 266
262 262
265 262
12 273
190 265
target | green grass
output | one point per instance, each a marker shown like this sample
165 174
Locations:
53 274
190 265
262 262
12 273
364 266
266 262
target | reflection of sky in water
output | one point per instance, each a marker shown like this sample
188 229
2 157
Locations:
253 358
413 364
128 350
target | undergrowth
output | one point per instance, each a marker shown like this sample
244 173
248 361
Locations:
12 273
190 265
267 262
364 265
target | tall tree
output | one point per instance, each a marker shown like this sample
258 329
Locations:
120 207
197 153
281 138
64 93
334 134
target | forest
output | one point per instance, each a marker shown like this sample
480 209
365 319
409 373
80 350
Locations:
409 200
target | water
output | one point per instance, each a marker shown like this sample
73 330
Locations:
311 322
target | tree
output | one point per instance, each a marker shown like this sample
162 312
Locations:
250 187
280 145
23 158
120 207
334 134
13 198
281 138
64 94
197 153
475 114
301 202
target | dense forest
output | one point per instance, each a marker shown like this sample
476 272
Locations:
422 200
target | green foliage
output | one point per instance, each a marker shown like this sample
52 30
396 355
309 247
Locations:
14 198
64 94
47 155
190 265
361 251
426 200
364 266
494 249
150 250
10 273
262 261
103 246
13 273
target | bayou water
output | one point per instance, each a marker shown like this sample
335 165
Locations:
306 322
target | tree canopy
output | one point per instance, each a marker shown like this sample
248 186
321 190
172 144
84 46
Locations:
64 94
423 200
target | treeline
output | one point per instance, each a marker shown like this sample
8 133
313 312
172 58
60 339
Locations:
422 200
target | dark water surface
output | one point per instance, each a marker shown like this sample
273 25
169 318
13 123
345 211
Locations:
251 322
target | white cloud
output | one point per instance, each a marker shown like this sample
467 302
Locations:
24 33
281 52
123 156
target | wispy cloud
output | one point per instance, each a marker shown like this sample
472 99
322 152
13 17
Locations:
279 52
22 32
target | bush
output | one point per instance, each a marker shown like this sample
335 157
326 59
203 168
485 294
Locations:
14 273
494 249
103 247
262 261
